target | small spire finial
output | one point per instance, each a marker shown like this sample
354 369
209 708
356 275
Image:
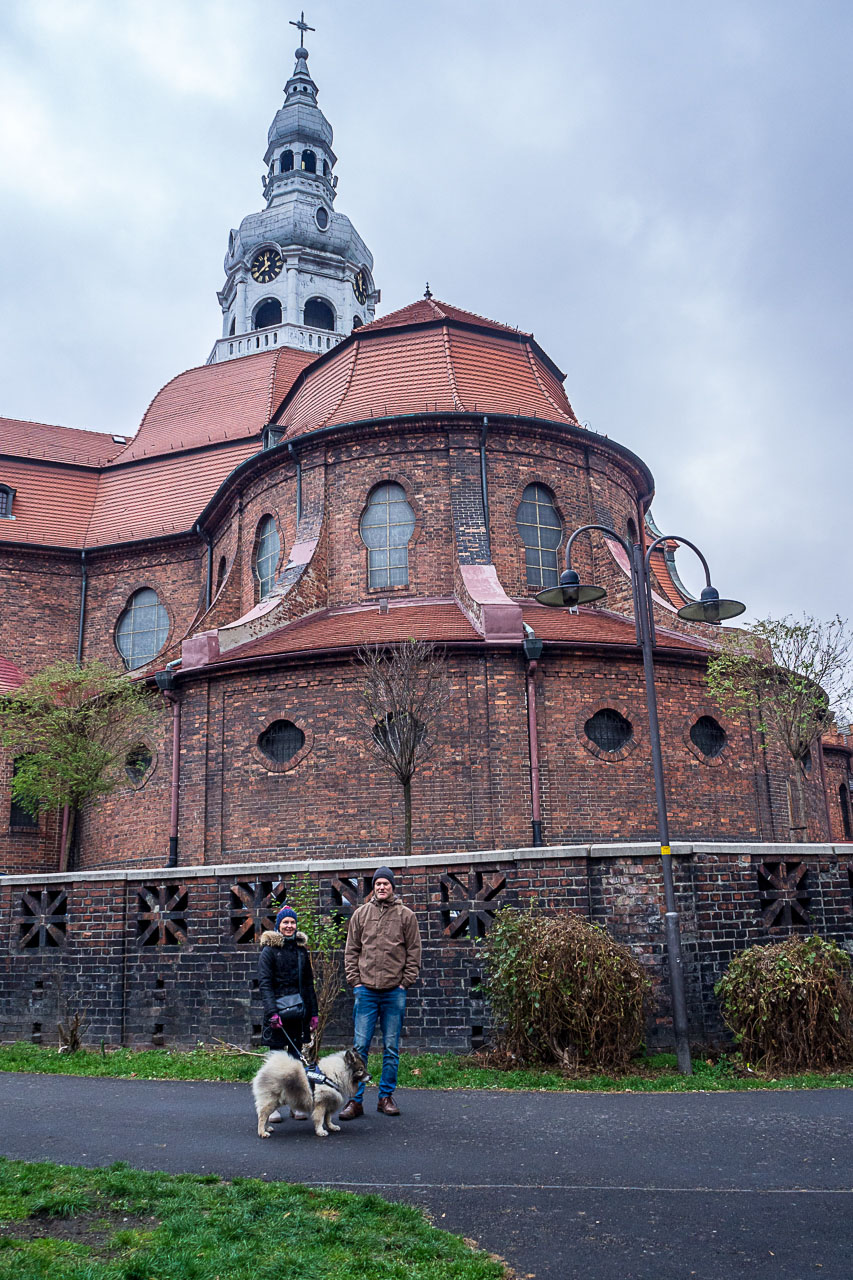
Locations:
427 291
302 27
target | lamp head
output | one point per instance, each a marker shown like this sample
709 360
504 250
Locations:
710 608
570 592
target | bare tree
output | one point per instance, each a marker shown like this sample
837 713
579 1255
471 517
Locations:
403 692
796 675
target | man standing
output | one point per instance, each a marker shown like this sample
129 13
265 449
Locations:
382 960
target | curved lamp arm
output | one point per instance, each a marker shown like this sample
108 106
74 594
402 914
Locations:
668 537
591 528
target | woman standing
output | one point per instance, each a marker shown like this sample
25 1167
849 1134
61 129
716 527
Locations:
286 984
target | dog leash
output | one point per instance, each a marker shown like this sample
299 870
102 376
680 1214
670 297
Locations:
312 1070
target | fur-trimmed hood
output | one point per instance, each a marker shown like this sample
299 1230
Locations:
271 938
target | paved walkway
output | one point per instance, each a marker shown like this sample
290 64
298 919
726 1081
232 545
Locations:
600 1186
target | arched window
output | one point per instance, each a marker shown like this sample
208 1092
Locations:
6 498
19 815
267 313
309 162
541 530
232 327
142 628
220 574
631 529
357 322
285 163
318 314
267 555
387 525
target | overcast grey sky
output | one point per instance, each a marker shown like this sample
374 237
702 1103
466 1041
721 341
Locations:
660 191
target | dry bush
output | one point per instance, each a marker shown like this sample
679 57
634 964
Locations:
790 1005
562 991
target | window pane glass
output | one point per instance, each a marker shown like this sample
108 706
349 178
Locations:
541 530
267 555
387 525
142 629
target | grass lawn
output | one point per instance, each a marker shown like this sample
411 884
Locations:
653 1074
59 1222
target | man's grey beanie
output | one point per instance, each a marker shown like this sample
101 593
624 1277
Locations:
384 873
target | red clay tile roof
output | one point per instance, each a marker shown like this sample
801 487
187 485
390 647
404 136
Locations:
11 677
52 504
439 621
431 309
452 366
164 495
58 444
77 506
229 401
661 570
598 626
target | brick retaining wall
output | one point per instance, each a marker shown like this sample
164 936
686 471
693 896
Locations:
169 956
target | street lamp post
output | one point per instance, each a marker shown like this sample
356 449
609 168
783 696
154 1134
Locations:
708 608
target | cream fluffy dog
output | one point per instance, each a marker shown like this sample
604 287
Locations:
282 1082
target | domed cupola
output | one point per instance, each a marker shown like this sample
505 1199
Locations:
297 274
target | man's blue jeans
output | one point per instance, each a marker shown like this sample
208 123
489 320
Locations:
388 1007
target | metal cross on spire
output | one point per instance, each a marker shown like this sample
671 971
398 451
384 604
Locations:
302 26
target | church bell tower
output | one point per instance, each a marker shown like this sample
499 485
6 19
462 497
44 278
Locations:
297 274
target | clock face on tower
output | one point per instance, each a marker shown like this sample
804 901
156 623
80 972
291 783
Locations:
266 265
359 287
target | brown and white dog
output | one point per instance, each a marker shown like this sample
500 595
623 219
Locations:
282 1082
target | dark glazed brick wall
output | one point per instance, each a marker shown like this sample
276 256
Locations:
173 960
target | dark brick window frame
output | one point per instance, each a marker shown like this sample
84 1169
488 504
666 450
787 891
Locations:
282 766
713 762
387 476
20 819
608 757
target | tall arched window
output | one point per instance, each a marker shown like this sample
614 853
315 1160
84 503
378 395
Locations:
844 801
285 164
541 530
6 497
267 313
142 628
318 314
387 525
309 162
267 555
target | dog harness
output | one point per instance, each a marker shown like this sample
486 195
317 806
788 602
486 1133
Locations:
311 1069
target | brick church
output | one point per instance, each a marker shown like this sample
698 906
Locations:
329 479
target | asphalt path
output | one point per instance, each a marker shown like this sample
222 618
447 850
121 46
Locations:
601 1186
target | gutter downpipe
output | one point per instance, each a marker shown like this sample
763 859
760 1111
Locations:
298 464
484 486
176 780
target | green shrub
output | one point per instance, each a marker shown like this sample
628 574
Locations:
562 991
790 1005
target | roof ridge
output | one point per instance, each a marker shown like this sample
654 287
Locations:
539 381
355 350
451 373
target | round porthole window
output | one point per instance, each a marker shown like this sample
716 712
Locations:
281 741
609 730
708 736
322 218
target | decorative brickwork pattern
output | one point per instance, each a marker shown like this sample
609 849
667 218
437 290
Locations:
161 917
469 903
42 918
252 908
783 893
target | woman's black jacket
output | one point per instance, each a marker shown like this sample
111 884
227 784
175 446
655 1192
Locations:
274 968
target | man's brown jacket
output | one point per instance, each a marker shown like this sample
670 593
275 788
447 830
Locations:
383 946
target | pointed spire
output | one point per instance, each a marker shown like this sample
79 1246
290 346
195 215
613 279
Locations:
300 87
427 291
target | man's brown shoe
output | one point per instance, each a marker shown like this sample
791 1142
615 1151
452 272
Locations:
352 1110
388 1106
